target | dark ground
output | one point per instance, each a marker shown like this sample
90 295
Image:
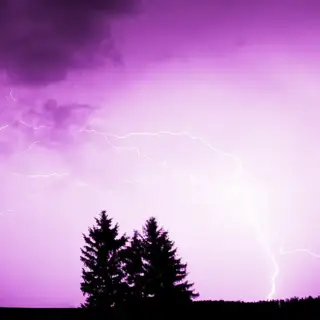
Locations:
304 309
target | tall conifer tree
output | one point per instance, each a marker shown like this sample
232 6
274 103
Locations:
134 268
103 275
164 273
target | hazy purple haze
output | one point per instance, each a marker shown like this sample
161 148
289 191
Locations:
203 113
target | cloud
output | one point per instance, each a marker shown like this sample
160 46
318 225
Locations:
42 40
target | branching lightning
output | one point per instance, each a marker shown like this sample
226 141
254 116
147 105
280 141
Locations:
300 250
43 176
13 98
238 180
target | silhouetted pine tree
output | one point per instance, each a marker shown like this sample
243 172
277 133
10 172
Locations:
134 268
164 273
103 275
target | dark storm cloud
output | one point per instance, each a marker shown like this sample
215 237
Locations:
41 40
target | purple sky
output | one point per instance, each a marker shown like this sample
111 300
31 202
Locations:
203 113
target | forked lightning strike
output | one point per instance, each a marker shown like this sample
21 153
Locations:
300 250
238 175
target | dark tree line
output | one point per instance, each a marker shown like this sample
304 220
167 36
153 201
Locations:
144 270
289 309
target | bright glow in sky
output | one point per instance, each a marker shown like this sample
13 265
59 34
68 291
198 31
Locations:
209 123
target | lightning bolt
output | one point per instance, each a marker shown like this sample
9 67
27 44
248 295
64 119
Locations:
12 97
4 127
299 250
42 175
238 178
